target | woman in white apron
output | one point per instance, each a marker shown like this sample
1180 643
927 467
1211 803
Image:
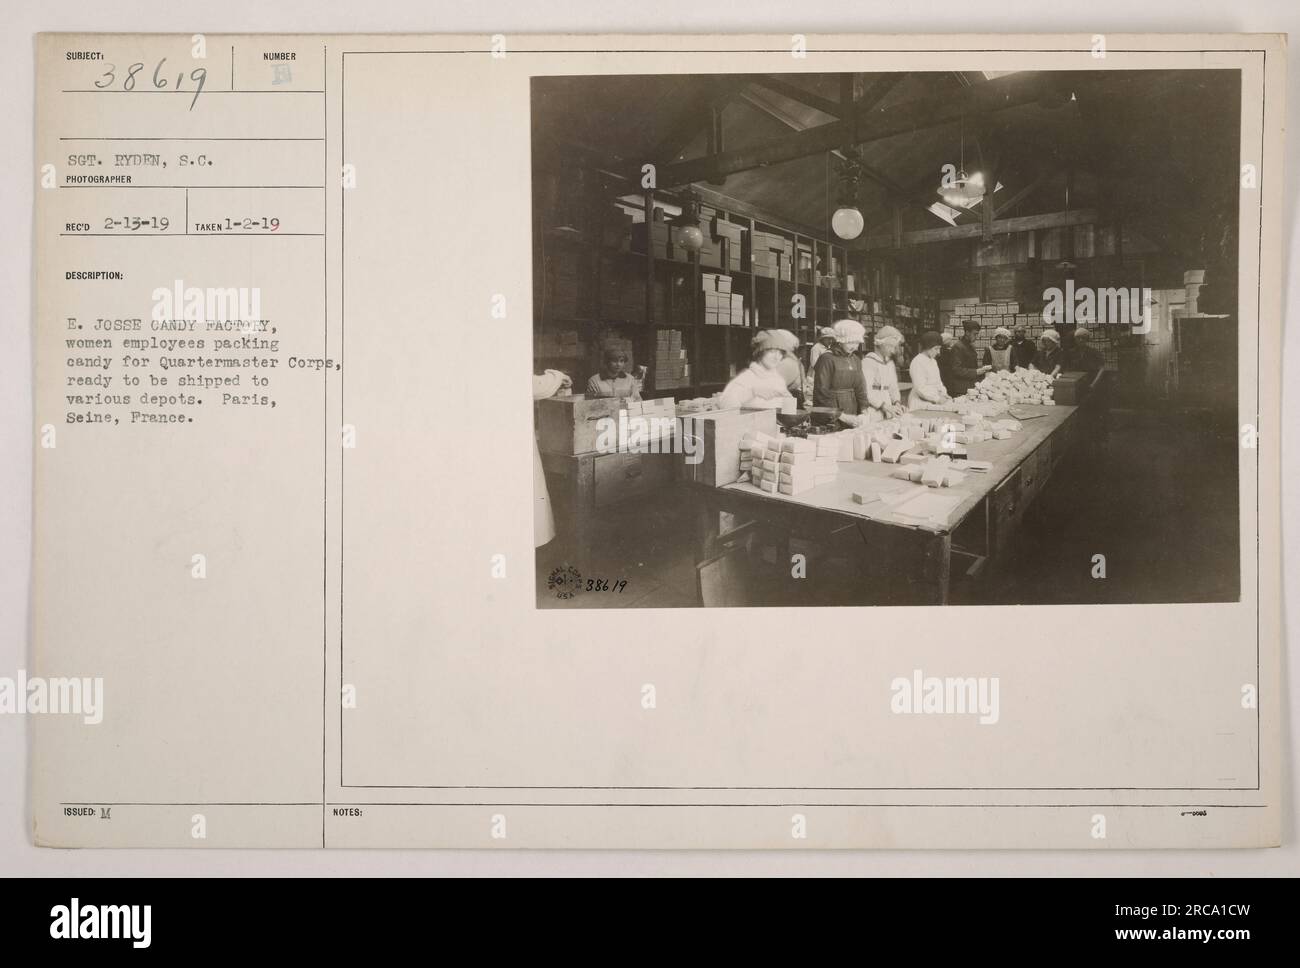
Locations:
881 377
761 385
998 355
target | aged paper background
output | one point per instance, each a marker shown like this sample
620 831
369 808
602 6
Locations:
463 684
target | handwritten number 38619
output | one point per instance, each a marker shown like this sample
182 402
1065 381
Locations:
109 78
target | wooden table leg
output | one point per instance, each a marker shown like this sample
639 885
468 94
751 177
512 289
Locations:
707 528
781 550
937 568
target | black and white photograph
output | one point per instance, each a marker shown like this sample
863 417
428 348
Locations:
903 338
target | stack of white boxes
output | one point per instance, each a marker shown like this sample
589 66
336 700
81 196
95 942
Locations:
848 445
786 465
751 443
722 307
671 367
659 415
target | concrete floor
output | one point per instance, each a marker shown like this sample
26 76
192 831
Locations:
650 544
1158 499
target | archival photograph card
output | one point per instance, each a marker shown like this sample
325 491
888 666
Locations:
901 468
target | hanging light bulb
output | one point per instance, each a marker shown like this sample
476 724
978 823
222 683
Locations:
1067 232
965 191
689 237
847 221
686 231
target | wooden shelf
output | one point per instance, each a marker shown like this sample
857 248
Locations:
768 304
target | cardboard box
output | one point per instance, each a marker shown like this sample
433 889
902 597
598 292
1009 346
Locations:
727 230
717 434
1070 388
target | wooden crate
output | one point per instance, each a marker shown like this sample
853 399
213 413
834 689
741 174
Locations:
571 425
624 477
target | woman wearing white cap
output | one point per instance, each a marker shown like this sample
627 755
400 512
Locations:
790 367
761 385
825 340
998 355
927 383
1084 355
837 381
883 400
1048 359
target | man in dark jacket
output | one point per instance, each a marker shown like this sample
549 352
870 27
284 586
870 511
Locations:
944 359
964 369
1023 350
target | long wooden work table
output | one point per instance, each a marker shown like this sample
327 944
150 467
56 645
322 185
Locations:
989 510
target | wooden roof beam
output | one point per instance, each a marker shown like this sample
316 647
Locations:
696 118
863 127
796 93
1026 223
867 125
896 191
880 89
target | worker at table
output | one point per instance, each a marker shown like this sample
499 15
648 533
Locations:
944 359
1084 356
613 380
761 385
1022 350
964 368
1048 359
881 377
927 384
838 380
998 355
825 340
790 367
